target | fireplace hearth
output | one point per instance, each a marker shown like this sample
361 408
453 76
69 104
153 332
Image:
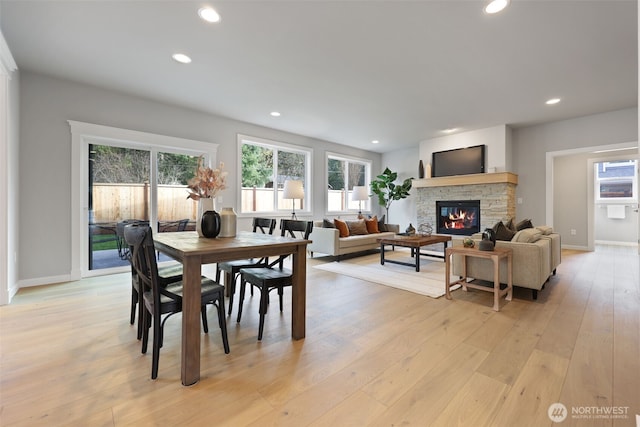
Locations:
459 217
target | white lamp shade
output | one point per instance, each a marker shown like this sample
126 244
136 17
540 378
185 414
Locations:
359 193
293 190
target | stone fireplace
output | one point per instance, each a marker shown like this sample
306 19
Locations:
495 192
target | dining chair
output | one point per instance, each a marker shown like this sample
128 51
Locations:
159 300
273 276
232 268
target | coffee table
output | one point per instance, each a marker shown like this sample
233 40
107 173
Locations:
413 242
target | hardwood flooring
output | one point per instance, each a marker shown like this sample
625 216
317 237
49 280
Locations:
373 356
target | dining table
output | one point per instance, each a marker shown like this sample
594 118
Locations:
192 251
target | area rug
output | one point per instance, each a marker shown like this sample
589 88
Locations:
429 281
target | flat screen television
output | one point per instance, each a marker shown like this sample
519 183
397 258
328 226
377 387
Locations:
460 161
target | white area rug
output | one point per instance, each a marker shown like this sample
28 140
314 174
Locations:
429 281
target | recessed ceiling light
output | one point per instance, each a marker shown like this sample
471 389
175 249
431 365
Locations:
181 57
209 15
275 114
375 141
552 101
450 130
496 6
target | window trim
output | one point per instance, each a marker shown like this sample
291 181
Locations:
269 143
368 168
83 134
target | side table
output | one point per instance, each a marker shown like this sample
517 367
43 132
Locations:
495 255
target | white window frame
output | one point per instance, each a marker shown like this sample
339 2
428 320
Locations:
84 134
276 145
368 164
633 179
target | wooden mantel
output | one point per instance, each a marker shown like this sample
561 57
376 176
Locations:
478 178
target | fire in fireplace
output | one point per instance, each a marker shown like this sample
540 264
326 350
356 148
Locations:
461 217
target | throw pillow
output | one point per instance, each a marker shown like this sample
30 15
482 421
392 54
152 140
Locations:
372 225
525 223
528 235
545 229
328 224
503 232
357 228
342 227
511 225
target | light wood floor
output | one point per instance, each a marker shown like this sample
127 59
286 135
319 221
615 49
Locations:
373 356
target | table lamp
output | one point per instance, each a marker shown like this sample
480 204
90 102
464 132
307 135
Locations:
293 190
359 193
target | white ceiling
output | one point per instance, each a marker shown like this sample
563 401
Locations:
344 71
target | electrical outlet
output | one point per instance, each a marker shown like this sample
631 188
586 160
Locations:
573 232
519 200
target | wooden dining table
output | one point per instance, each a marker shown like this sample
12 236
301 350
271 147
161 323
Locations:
194 251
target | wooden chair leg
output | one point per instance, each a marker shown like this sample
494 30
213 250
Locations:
222 321
205 324
145 321
157 343
263 310
134 304
280 293
243 286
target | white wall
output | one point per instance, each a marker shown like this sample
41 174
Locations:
405 163
45 158
530 147
497 140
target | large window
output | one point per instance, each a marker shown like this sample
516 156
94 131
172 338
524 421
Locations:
344 173
617 180
264 168
123 176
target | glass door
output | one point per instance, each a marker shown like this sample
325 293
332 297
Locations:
119 193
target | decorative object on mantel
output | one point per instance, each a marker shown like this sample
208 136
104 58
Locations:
384 187
428 172
204 188
228 222
425 229
420 170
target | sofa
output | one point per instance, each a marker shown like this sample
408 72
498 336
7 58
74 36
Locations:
536 256
327 240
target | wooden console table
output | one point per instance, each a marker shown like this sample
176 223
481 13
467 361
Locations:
495 255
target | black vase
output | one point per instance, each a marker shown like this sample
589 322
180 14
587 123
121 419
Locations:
420 170
210 224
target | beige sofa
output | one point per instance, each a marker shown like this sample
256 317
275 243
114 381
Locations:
533 261
328 241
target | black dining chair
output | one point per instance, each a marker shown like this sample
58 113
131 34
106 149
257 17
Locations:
273 276
232 268
167 300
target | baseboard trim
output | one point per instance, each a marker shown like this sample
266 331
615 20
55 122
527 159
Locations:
576 248
615 243
26 283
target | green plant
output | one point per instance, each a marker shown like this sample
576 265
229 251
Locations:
387 191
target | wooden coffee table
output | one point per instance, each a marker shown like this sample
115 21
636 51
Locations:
413 242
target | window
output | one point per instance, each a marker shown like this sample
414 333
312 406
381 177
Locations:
264 167
344 173
617 180
123 175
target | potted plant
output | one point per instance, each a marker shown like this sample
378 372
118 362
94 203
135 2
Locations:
387 191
